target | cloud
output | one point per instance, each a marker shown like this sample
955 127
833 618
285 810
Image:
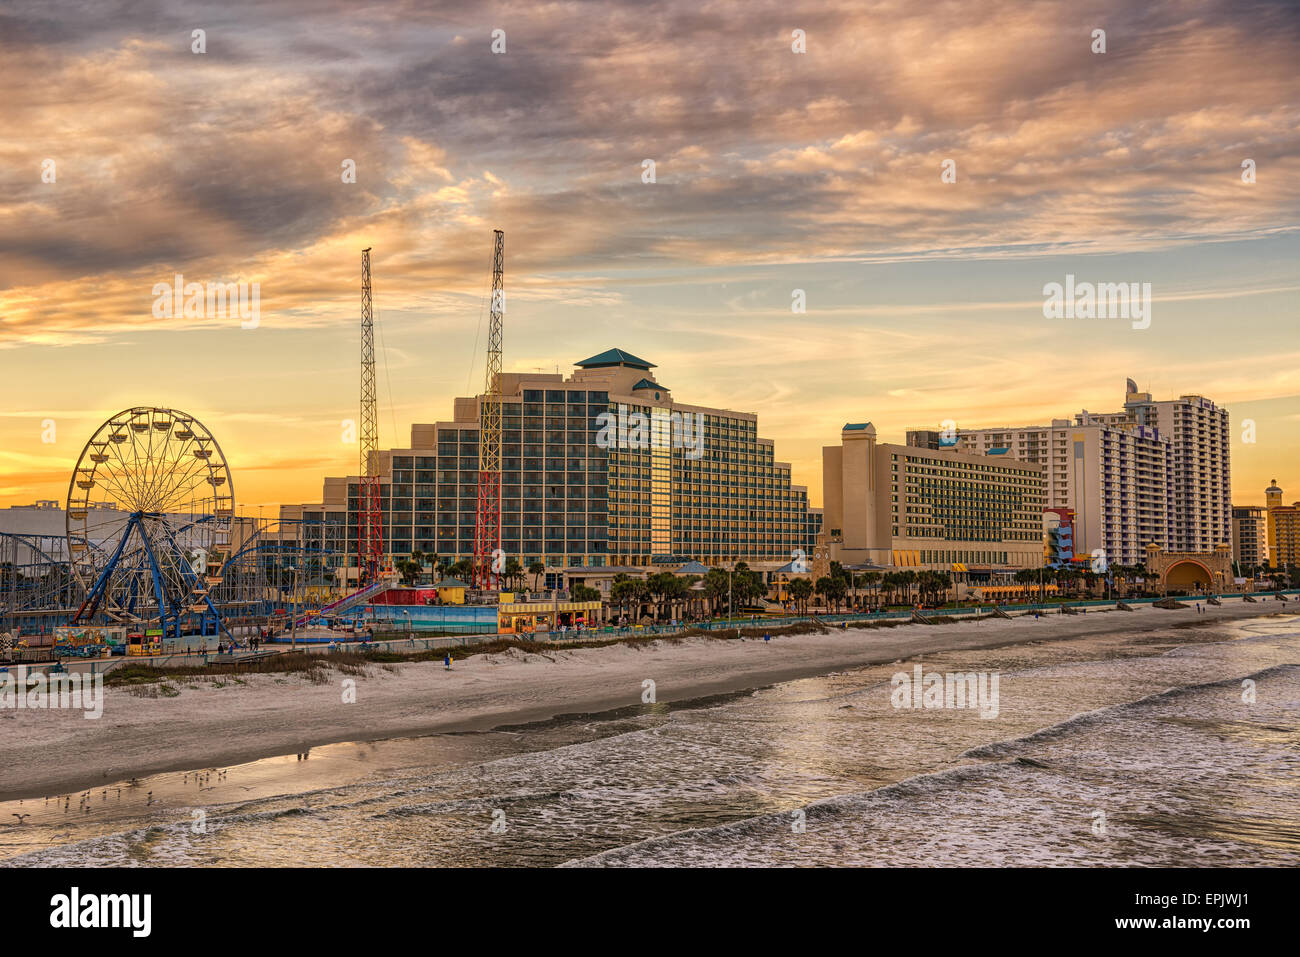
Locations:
228 163
226 166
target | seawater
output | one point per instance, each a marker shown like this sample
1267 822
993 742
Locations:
1105 751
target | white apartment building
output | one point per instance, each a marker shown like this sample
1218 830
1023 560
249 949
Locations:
1114 477
1200 490
1158 472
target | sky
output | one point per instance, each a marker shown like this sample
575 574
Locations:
129 158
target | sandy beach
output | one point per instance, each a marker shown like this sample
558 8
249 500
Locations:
217 722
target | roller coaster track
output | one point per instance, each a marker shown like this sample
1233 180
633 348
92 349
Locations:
352 600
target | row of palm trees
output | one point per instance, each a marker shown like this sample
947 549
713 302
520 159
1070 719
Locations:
843 587
1128 579
514 575
1288 577
665 592
669 595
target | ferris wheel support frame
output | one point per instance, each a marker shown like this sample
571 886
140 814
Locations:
188 571
96 590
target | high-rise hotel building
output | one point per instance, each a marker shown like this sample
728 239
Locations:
658 496
905 506
1200 490
1158 472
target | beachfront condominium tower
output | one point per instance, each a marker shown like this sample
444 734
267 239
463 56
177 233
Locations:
1155 473
1113 477
604 467
1200 490
903 506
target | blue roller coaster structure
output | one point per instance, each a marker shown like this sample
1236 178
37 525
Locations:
152 542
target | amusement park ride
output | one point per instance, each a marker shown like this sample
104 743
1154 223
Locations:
154 553
170 507
153 547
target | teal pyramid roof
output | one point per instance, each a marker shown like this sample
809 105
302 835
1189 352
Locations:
614 357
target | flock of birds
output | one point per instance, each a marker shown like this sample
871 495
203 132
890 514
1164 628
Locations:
85 803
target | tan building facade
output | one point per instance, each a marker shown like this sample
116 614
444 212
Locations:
1283 528
1191 571
903 506
1200 487
1249 535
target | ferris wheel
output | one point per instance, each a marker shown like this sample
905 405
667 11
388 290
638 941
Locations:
149 504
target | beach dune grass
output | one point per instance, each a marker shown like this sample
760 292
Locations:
354 661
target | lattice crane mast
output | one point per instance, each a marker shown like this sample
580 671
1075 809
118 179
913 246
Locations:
370 520
487 529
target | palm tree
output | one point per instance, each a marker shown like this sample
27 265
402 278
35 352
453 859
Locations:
409 570
871 581
751 585
923 586
863 580
514 572
715 588
1120 577
851 585
619 591
909 580
1066 579
629 591
823 589
1027 576
942 582
800 590
660 587
839 588
676 594
690 596
536 569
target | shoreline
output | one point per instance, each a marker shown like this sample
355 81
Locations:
211 723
